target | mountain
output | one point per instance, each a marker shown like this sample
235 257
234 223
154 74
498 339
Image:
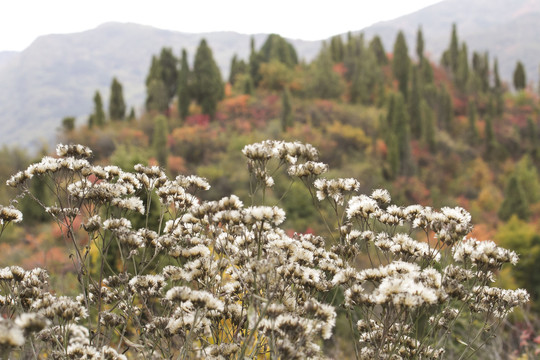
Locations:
6 56
57 75
507 29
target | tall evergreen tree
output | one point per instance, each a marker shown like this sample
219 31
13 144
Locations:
401 64
117 105
183 87
156 96
337 49
420 45
207 83
415 113
286 110
254 63
403 135
515 201
159 140
238 67
325 83
491 141
428 125
98 116
496 78
377 47
519 76
462 74
453 50
446 109
169 72
277 48
471 116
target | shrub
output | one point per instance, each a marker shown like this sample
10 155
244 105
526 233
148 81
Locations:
218 279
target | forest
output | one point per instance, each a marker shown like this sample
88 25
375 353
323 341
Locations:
443 134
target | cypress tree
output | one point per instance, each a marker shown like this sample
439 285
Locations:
159 140
446 109
117 105
496 77
415 113
420 45
337 49
207 83
377 47
154 73
277 48
131 115
471 116
183 87
532 133
286 110
325 82
254 63
462 74
428 125
491 142
98 117
515 202
519 76
454 50
403 135
156 96
401 64
68 124
169 72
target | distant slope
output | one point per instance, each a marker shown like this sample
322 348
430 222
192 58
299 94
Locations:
507 29
57 75
6 56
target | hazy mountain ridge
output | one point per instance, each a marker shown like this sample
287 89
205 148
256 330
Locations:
57 75
507 29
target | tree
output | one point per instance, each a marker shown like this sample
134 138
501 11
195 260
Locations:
169 72
207 83
471 116
402 130
117 105
415 113
68 123
515 202
254 63
462 72
277 48
420 45
491 142
131 115
238 67
98 116
401 64
337 49
159 140
183 86
286 110
156 96
325 83
450 57
428 125
519 76
377 47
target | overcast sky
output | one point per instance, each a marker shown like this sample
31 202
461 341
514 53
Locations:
22 21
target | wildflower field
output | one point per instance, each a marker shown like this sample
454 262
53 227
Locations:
163 274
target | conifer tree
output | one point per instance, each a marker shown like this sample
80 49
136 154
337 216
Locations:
403 136
420 45
446 109
325 82
496 78
377 47
207 83
277 48
155 71
238 67
462 74
159 140
471 116
428 125
415 113
117 105
183 87
98 116
532 133
68 124
131 115
254 63
519 76
498 90
286 110
169 72
156 96
401 64
515 202
491 142
453 50
337 49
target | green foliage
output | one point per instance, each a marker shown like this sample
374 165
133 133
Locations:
450 58
238 67
184 75
428 126
415 113
419 45
337 48
515 201
277 48
208 88
286 110
159 140
471 117
324 82
68 123
97 118
156 96
376 46
523 238
462 73
169 72
401 64
117 105
519 76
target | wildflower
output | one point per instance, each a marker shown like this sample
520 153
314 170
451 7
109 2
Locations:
484 254
76 151
11 335
310 168
9 213
362 207
335 188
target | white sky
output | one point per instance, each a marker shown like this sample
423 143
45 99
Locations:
22 21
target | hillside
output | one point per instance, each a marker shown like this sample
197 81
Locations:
507 29
57 75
